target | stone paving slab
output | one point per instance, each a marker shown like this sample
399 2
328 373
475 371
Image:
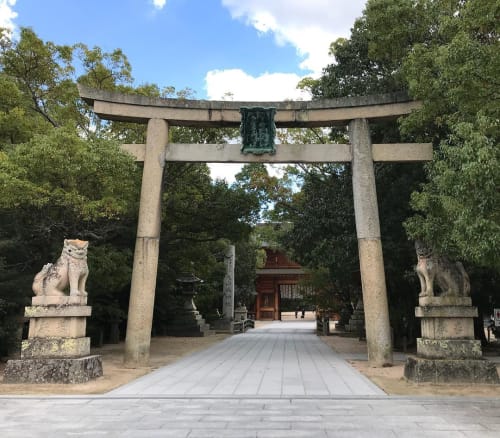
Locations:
278 382
280 359
375 416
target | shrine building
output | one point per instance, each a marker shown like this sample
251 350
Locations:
278 286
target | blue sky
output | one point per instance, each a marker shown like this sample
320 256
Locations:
211 46
253 49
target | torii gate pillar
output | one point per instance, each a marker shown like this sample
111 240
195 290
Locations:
142 291
378 331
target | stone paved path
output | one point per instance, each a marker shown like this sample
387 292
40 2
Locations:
220 400
281 359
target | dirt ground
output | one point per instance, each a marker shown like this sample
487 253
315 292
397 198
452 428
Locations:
165 350
391 379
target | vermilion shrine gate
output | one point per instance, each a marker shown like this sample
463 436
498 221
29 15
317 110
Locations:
355 112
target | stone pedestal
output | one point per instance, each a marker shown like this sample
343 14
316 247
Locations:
447 351
56 350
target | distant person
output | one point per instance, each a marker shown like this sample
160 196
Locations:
303 313
296 313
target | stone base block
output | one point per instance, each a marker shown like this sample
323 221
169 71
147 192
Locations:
67 327
76 370
449 348
55 348
59 311
422 370
445 301
64 300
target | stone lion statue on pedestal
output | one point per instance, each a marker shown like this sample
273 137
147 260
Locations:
433 270
69 270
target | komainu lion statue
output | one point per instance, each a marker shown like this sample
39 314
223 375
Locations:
69 270
450 277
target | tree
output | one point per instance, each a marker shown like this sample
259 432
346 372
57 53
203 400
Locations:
445 54
42 72
323 237
271 192
456 77
199 218
62 175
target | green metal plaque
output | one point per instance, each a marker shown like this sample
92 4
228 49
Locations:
258 130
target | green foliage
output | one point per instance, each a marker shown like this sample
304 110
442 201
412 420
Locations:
42 72
445 53
364 64
456 77
326 297
271 192
111 269
15 126
62 175
323 223
248 258
459 204
60 178
323 236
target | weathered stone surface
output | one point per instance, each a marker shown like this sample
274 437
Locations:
72 327
228 283
290 153
402 152
450 371
449 348
357 319
55 347
70 271
438 275
68 370
378 331
447 328
57 311
47 300
371 261
444 301
142 289
446 312
322 112
240 313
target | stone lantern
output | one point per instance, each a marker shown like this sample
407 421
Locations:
187 320
187 282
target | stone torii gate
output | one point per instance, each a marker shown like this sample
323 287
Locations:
355 112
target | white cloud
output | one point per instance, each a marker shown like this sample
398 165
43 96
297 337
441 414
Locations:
239 85
310 26
159 4
7 14
226 171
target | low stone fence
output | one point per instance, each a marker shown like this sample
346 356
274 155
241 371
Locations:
242 326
